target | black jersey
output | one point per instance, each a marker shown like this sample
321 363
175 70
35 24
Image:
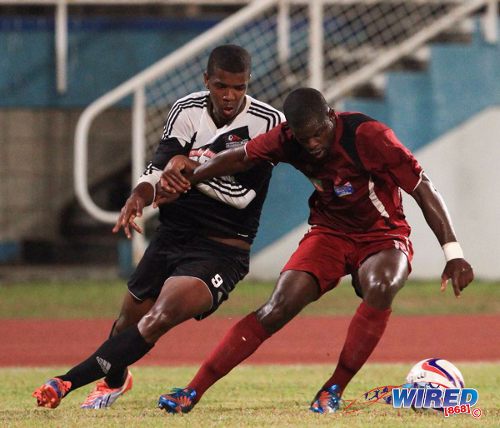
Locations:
223 206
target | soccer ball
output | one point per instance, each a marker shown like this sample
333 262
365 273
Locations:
435 372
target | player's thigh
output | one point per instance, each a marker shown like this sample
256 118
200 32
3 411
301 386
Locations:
381 258
181 298
383 274
219 267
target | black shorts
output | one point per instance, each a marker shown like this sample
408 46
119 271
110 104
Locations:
174 253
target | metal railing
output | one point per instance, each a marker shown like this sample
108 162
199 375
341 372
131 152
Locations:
392 55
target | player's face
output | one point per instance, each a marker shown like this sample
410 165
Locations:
317 137
227 94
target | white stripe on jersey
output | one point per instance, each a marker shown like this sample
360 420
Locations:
265 112
231 187
375 200
237 201
197 101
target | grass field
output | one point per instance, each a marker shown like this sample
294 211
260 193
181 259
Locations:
262 396
251 396
91 299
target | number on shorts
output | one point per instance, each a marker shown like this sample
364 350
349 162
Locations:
217 281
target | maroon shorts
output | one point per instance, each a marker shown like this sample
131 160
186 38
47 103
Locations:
329 254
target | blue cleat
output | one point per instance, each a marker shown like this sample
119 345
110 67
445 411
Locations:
327 400
178 400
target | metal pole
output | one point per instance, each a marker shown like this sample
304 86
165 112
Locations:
316 44
61 45
490 22
283 31
138 163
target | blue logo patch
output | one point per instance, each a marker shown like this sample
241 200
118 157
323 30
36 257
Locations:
343 189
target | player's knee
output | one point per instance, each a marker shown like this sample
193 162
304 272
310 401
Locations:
120 325
381 291
124 321
275 314
131 313
157 322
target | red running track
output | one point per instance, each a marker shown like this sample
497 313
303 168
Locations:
304 340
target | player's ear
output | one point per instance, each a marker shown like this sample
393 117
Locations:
332 115
205 79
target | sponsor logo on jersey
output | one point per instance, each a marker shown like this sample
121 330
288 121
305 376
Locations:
233 140
343 189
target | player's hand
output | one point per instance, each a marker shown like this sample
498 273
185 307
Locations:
175 174
461 274
133 208
163 197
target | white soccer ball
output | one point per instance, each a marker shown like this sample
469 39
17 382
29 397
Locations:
436 372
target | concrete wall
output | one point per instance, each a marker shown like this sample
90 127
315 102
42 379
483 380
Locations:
36 165
464 166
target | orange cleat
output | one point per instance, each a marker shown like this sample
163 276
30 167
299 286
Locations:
104 396
51 393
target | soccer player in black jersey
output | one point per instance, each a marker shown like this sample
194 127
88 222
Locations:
201 248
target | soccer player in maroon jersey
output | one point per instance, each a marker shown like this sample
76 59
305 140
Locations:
358 227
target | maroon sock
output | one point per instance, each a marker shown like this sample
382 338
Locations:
241 341
366 328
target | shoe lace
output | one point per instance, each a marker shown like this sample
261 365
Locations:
101 387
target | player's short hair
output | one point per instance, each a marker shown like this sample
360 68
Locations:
231 58
303 106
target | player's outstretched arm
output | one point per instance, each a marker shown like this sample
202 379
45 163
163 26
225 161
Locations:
457 269
141 196
228 162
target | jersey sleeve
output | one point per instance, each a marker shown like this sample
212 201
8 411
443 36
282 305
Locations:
175 140
384 155
267 147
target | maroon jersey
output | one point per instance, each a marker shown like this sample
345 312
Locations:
358 184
